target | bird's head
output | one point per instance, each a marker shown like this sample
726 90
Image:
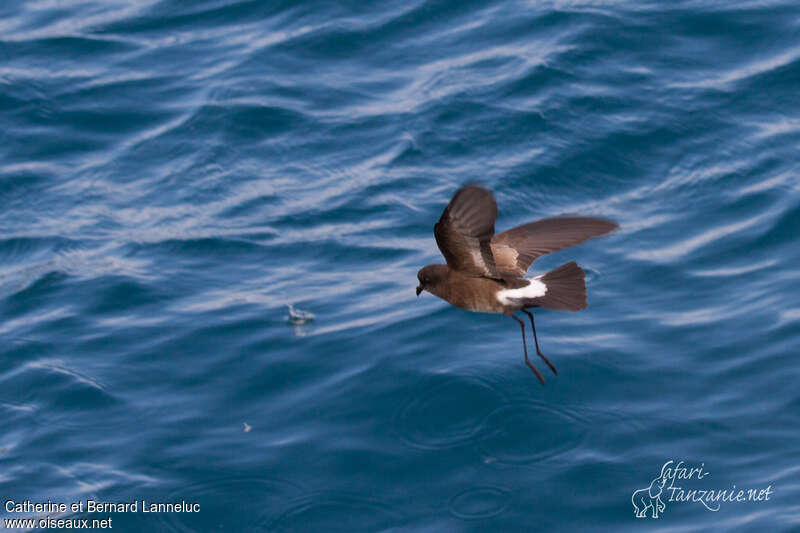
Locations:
431 278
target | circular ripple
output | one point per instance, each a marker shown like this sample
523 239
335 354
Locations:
330 513
447 411
479 503
232 504
522 433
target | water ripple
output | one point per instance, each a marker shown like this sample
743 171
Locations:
249 502
524 432
447 411
479 503
336 512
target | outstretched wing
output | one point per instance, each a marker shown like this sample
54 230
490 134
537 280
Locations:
514 250
464 232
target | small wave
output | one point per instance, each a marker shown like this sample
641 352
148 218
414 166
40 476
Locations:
674 252
55 396
57 367
741 73
734 271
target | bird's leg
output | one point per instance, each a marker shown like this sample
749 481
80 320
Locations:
535 340
525 348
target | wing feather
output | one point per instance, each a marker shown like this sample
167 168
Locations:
465 229
514 250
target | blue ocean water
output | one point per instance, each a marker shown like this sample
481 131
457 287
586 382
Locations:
174 175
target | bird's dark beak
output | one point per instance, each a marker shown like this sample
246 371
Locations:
419 289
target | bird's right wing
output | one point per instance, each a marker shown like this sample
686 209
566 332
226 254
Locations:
465 230
514 250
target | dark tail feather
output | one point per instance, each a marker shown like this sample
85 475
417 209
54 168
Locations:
566 290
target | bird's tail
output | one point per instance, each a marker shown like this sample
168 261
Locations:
566 289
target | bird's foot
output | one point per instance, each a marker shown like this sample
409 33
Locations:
538 374
546 360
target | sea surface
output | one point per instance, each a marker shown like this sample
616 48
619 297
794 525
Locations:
211 218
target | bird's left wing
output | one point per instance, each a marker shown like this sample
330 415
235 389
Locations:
465 230
514 250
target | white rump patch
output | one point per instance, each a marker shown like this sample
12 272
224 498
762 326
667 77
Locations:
534 289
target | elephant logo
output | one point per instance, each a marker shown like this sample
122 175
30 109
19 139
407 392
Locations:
650 498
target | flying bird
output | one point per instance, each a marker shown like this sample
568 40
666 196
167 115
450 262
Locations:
484 272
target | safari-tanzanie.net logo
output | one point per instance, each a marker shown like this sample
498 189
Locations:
681 482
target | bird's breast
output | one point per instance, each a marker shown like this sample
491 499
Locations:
475 294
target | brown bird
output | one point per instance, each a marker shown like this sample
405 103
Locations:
484 271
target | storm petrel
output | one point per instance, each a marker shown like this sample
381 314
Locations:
484 271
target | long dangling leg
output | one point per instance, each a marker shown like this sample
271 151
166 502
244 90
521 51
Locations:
535 340
525 348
